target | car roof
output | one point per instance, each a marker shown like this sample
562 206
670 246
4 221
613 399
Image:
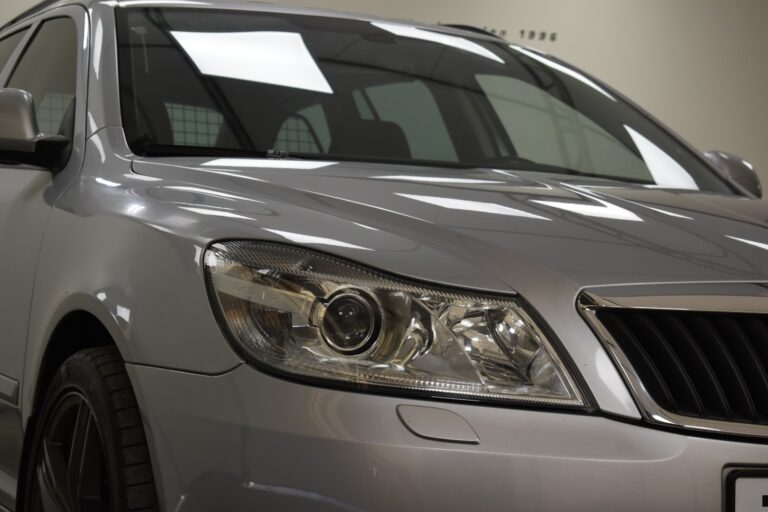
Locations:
247 5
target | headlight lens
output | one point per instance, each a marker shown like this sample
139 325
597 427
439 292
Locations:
309 315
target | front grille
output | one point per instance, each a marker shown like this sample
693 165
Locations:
712 366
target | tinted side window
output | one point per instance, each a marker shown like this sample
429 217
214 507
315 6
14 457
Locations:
8 45
48 71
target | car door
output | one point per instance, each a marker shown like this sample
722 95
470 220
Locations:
46 61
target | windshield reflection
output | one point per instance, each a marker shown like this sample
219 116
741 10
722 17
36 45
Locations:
275 90
276 58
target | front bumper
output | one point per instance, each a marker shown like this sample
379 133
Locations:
247 441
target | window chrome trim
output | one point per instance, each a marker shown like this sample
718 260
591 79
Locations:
589 303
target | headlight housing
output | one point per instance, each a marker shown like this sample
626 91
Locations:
307 315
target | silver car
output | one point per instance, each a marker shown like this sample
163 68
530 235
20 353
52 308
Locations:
263 258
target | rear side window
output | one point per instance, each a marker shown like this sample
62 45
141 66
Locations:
48 71
8 45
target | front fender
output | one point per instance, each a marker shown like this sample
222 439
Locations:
143 281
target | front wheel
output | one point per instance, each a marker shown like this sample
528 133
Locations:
89 450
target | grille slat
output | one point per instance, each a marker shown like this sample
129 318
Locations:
726 371
669 364
757 329
715 405
642 361
704 365
745 357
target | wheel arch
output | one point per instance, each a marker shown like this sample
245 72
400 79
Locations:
80 321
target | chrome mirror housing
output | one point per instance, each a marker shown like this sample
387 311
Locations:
737 170
20 139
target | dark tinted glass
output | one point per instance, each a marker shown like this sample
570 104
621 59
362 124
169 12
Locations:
48 71
8 45
216 83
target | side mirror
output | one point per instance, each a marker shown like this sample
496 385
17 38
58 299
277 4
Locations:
20 139
737 170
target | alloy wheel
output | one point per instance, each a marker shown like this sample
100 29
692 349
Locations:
70 471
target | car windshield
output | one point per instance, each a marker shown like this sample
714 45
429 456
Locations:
222 83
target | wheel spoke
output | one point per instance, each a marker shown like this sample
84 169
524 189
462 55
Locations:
46 498
70 470
78 450
86 466
51 477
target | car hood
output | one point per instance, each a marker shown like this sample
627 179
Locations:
491 229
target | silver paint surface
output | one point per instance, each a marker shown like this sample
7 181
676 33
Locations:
437 424
320 450
122 238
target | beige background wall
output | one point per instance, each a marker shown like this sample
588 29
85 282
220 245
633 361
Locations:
698 65
9 8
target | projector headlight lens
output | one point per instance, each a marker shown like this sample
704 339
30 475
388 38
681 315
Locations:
351 321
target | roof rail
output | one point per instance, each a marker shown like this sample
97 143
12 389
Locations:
29 12
471 28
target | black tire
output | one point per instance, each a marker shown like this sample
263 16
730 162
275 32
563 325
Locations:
75 467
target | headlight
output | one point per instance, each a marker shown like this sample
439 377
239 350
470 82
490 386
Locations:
308 315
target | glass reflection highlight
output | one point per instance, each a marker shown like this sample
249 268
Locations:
666 172
276 58
563 69
435 37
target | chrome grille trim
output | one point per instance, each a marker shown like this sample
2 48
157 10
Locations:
750 298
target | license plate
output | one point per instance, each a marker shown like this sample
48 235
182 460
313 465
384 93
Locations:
746 490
